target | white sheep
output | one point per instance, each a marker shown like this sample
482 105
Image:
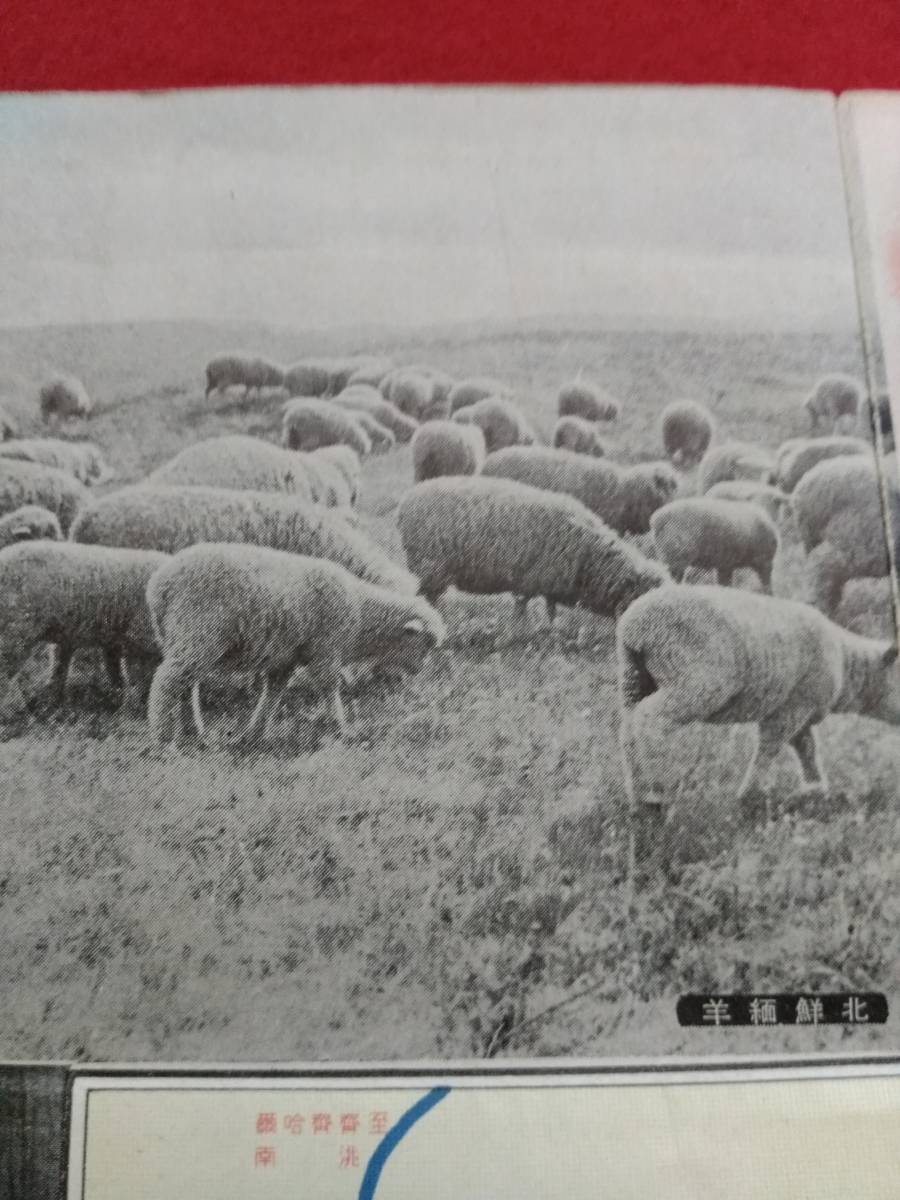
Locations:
64 397
489 536
343 474
834 401
500 420
623 497
725 657
363 398
32 483
447 448
839 515
248 371
380 436
75 597
265 611
27 524
771 500
796 456
9 427
371 373
687 430
84 460
587 400
415 395
238 462
715 535
735 460
308 424
470 391
169 519
579 436
307 378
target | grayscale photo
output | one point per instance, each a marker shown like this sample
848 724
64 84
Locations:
446 595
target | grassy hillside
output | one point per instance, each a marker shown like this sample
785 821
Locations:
448 881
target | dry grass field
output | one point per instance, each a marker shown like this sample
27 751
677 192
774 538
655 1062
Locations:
448 882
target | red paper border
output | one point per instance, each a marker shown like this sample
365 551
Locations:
98 44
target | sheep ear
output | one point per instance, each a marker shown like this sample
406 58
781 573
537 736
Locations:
415 625
890 655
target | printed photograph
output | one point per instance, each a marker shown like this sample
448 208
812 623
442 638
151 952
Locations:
446 596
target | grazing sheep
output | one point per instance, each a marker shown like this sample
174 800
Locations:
170 519
269 612
28 524
877 422
586 400
770 499
501 421
447 448
735 460
579 436
8 427
238 462
371 373
343 462
75 597
796 456
722 656
361 398
32 483
414 395
715 535
470 391
838 509
623 497
309 424
308 378
489 536
84 460
248 371
64 397
687 430
380 436
834 401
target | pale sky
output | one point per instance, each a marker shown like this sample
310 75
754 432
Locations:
333 207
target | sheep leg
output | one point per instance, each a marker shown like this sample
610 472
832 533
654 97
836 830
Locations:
644 782
257 717
806 746
826 576
275 686
197 712
764 571
724 576
326 678
767 746
167 692
112 660
57 689
551 612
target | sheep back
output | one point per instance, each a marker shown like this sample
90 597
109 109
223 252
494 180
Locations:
586 400
64 396
579 436
446 448
798 455
24 483
362 398
500 420
735 460
687 430
309 424
238 462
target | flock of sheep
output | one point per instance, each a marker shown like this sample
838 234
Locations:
151 574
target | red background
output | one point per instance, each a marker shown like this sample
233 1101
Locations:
92 44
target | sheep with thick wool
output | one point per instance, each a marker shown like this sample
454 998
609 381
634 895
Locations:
579 436
371 373
362 398
838 510
447 448
624 497
722 656
249 371
470 391
84 460
238 462
170 519
796 456
586 400
711 534
32 483
28 524
500 420
341 470
834 402
265 611
687 429
75 597
772 500
490 536
415 395
310 377
63 397
735 460
380 436
309 424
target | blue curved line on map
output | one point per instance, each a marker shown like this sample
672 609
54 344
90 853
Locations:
394 1136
